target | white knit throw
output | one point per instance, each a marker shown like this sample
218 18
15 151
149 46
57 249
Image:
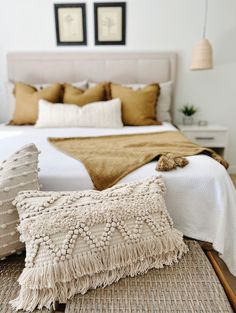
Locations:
76 241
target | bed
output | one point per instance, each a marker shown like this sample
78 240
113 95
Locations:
200 198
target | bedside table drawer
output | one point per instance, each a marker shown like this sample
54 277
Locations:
208 138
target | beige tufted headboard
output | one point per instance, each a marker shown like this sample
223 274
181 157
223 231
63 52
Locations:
122 67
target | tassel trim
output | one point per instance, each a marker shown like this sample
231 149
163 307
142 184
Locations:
43 286
170 161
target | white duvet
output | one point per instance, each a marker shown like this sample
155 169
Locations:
200 198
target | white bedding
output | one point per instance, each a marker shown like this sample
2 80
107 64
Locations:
200 198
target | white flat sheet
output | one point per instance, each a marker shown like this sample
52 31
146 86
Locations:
200 198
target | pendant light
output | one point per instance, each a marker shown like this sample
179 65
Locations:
202 56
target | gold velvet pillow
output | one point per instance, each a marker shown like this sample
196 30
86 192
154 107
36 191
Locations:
27 97
138 106
74 95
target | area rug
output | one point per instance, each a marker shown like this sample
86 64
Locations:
10 270
189 286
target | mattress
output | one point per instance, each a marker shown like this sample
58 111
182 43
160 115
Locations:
200 198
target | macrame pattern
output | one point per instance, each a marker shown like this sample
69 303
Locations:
76 241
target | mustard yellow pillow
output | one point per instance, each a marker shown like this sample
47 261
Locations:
27 98
74 95
138 106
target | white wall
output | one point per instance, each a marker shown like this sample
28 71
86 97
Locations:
153 25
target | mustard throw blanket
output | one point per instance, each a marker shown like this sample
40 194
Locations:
109 158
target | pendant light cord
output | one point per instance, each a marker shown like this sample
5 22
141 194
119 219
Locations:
205 19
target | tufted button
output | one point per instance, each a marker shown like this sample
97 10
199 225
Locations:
63 252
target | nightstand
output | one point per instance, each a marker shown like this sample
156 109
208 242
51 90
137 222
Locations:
210 136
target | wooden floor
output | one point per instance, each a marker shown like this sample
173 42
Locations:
227 279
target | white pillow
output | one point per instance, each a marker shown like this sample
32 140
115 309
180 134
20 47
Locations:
164 100
101 114
10 98
82 85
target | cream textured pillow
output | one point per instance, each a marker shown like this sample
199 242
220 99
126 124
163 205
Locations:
76 241
19 172
103 114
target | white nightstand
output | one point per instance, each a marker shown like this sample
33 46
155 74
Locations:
210 136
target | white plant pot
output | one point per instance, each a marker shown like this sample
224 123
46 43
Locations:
188 120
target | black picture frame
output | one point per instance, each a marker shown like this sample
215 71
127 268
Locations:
57 7
98 5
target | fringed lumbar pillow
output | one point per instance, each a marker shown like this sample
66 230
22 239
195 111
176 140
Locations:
76 241
18 172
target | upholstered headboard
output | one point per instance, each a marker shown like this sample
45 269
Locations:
122 67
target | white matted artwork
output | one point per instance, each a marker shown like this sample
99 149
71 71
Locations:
70 24
110 20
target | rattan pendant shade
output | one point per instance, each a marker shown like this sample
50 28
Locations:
202 55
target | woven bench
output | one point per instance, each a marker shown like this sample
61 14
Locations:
189 286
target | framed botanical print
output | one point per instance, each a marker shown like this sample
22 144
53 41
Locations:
70 19
110 23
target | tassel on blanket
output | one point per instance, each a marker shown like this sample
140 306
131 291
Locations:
221 160
169 161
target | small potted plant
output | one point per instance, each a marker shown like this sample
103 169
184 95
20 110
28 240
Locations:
188 111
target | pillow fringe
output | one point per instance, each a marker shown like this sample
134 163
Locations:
60 281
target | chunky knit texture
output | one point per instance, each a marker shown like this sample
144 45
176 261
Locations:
19 172
76 241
